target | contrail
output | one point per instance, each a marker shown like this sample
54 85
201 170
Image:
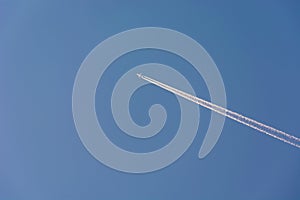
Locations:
280 135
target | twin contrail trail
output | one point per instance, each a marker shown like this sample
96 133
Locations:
280 135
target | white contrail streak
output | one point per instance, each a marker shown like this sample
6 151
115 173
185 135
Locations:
280 135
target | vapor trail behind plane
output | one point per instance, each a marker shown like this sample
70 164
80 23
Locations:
280 135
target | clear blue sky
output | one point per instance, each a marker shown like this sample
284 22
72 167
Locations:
255 45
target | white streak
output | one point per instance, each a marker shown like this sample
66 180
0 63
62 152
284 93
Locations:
280 135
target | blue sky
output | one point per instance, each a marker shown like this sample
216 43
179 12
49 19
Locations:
255 45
